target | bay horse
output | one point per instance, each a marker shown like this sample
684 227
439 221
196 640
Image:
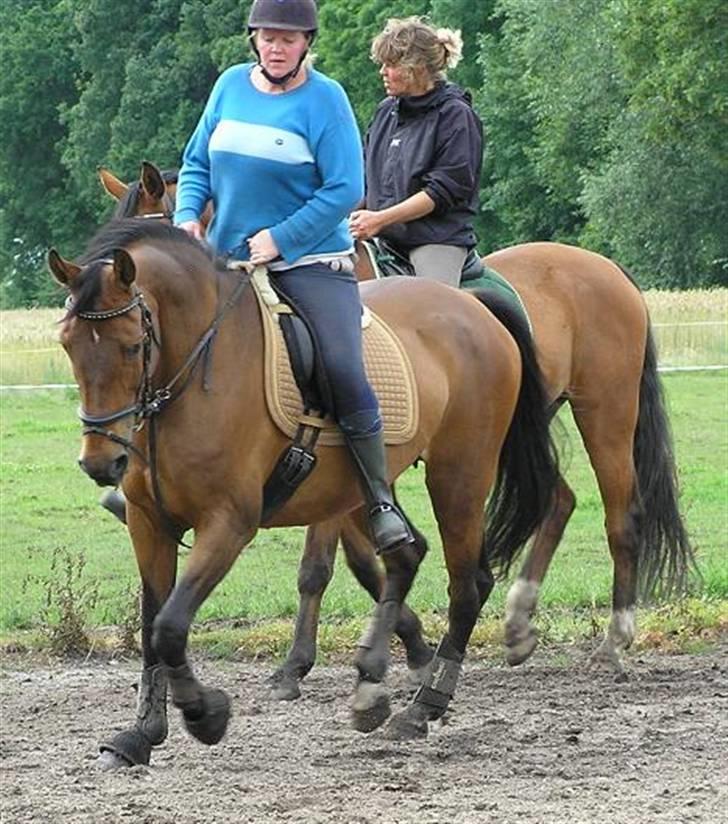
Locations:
167 350
596 350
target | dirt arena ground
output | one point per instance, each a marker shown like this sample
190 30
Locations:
548 743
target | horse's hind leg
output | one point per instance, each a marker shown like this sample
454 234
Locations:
314 575
459 512
520 634
608 436
156 555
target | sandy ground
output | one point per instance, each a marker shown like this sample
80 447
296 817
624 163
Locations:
549 742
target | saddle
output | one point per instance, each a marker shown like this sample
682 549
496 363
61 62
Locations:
292 399
388 261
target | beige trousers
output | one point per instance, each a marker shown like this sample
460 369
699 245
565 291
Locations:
436 261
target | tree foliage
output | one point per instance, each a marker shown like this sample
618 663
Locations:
605 119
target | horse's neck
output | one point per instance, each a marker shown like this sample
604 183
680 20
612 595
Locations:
190 305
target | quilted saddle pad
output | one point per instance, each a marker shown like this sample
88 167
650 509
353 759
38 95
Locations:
387 365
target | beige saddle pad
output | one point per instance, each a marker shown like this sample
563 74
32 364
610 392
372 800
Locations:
387 366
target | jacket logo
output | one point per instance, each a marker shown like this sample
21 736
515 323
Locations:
396 141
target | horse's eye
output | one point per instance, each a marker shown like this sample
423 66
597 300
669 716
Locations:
131 351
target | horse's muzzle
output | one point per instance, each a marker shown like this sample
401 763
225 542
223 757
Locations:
105 472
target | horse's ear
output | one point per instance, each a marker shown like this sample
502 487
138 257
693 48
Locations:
64 271
115 187
152 181
124 267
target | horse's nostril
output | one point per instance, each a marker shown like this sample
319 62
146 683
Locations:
105 474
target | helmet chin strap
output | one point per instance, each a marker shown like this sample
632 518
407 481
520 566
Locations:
278 81
281 81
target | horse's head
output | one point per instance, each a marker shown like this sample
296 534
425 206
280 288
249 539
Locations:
152 196
107 332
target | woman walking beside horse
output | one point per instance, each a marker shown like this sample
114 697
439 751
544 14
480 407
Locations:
278 151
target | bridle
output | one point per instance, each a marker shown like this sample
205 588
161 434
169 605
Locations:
146 399
149 401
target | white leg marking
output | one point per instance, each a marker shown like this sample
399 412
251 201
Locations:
520 606
619 636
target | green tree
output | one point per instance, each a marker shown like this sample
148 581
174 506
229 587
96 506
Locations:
659 201
547 97
39 76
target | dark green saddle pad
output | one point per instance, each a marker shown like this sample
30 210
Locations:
493 283
476 275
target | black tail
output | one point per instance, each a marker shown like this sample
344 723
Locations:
528 467
665 555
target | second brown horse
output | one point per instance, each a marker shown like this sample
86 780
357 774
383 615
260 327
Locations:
596 351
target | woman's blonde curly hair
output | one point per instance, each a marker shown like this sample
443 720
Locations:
412 42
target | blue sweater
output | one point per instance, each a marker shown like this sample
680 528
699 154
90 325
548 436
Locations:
290 162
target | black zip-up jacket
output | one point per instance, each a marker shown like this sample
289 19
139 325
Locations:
434 143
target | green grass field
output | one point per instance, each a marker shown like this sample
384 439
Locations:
58 547
50 516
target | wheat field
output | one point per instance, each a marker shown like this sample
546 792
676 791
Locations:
691 329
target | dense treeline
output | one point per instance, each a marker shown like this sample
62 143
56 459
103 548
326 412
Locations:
606 120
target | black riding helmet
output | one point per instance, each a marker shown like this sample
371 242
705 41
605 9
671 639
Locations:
290 15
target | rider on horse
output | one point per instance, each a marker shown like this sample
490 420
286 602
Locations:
278 151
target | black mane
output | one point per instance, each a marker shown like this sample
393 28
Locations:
119 234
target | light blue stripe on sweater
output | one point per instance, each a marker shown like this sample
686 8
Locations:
255 140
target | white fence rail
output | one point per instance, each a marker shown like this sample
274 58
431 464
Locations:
687 346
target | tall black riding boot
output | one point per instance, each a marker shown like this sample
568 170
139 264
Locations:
388 525
115 502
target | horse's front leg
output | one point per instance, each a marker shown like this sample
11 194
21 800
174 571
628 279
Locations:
156 554
362 561
218 541
370 705
314 575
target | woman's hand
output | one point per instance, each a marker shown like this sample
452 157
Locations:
365 224
194 228
263 248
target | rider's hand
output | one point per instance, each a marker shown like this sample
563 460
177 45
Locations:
365 224
194 228
263 248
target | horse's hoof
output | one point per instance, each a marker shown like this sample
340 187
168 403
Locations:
405 727
108 761
126 749
286 689
370 707
517 653
607 657
210 727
